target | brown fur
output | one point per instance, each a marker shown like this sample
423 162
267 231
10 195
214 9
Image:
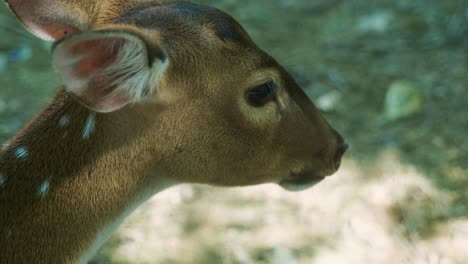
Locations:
196 129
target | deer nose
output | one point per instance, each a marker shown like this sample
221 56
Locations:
342 148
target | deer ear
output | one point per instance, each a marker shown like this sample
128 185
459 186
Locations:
50 20
107 70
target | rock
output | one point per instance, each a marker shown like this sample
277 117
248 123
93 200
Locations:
375 23
329 101
403 99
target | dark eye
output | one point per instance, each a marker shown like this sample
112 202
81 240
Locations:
262 94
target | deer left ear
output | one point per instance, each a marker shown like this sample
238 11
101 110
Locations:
107 70
51 20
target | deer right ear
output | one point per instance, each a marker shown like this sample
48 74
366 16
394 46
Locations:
106 70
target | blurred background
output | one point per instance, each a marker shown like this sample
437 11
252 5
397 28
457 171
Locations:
390 75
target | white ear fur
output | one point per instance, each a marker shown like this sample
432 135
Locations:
131 72
107 70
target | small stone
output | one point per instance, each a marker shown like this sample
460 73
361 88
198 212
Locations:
403 99
329 101
375 23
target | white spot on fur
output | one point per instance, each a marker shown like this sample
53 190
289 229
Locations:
43 189
21 153
89 126
5 145
64 121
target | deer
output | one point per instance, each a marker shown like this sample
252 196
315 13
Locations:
155 93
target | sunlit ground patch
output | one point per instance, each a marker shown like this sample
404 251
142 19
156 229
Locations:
376 215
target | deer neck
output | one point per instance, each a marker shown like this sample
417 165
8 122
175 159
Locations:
70 177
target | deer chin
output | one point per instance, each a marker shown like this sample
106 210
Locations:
301 181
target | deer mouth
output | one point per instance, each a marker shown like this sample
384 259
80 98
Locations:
300 181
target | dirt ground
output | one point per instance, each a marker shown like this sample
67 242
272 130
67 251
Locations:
401 196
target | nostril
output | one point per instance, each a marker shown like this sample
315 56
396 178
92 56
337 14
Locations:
342 148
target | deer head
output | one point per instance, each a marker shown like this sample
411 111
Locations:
173 90
235 116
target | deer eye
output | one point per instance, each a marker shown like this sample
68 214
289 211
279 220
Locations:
262 94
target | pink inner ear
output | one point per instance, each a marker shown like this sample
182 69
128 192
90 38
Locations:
100 100
96 56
